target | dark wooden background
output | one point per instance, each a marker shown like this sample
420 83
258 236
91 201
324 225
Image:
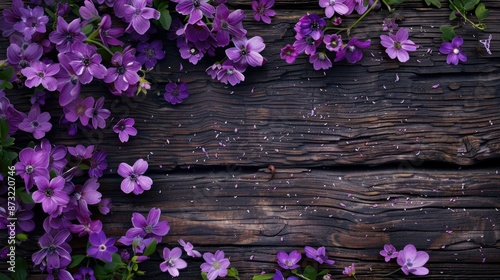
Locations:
361 159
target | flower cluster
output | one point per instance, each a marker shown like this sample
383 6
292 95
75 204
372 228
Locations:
410 260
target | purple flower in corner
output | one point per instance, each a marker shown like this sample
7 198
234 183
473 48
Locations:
172 261
398 46
97 114
134 180
36 122
353 51
262 10
389 252
318 255
101 247
150 227
176 93
453 51
40 73
413 261
124 128
349 270
139 15
215 265
288 261
32 21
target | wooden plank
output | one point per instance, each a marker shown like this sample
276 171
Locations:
291 115
353 213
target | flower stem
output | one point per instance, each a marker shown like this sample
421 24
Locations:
348 29
391 273
99 44
479 26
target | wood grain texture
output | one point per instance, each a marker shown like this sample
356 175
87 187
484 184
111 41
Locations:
361 159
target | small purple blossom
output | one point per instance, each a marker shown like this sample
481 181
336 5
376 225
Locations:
389 24
453 50
413 261
318 255
85 273
98 164
85 225
195 9
54 249
32 164
333 42
105 206
66 34
139 15
389 252
398 46
125 128
333 6
189 248
228 23
229 74
311 24
215 265
175 93
150 53
172 261
320 60
40 73
36 122
279 276
98 114
134 180
289 261
150 227
88 11
486 43
87 194
288 53
51 194
262 10
353 51
21 56
110 34
81 152
101 247
246 52
75 110
86 62
349 270
124 72
32 21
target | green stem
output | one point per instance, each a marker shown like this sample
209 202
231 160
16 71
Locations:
93 34
301 276
354 276
478 25
391 273
99 44
348 29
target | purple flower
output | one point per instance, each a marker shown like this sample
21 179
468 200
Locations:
51 194
229 74
306 44
36 122
333 42
66 34
279 276
124 128
57 155
195 9
22 211
486 43
85 273
76 109
87 195
453 51
97 114
54 249
320 60
176 92
150 226
101 247
288 261
228 23
353 51
189 248
109 34
86 226
332 7
318 255
349 270
262 10
139 15
11 17
40 73
413 261
105 206
215 265
398 45
21 56
289 53
137 242
124 72
312 24
389 24
389 252
134 180
149 54
32 20
81 152
247 52
98 164
88 11
86 62
189 51
172 261
32 164
68 82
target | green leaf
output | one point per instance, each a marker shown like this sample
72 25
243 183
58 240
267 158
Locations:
266 276
87 29
4 128
21 269
435 3
481 12
469 5
22 237
165 19
310 272
4 277
25 197
151 248
204 275
323 272
447 32
453 15
7 73
8 142
392 2
76 260
232 272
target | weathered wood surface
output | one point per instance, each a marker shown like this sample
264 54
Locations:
208 155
